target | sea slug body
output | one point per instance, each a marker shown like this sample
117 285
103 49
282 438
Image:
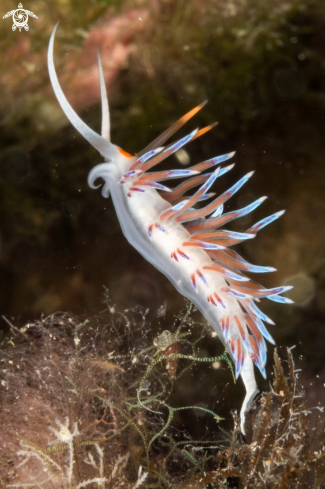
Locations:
187 244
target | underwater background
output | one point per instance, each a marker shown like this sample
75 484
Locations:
261 66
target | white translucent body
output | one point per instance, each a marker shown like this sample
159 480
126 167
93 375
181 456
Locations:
141 210
135 215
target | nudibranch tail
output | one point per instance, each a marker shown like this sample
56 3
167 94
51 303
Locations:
186 243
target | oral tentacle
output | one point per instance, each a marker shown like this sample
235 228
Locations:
105 148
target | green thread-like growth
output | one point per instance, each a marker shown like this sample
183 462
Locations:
110 403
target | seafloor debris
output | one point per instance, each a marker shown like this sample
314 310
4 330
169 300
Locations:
90 403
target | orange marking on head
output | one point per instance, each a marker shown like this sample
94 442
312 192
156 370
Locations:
124 153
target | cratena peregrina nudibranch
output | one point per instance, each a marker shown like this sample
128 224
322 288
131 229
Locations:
188 245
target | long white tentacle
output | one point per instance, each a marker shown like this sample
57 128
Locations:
105 148
106 130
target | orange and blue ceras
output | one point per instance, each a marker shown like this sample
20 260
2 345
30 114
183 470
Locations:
187 244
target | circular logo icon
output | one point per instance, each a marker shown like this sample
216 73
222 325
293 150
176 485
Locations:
20 18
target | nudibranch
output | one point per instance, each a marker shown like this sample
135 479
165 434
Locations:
187 244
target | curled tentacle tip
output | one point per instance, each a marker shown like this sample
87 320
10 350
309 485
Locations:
92 177
92 185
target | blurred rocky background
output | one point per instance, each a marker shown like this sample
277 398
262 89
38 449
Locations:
261 65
